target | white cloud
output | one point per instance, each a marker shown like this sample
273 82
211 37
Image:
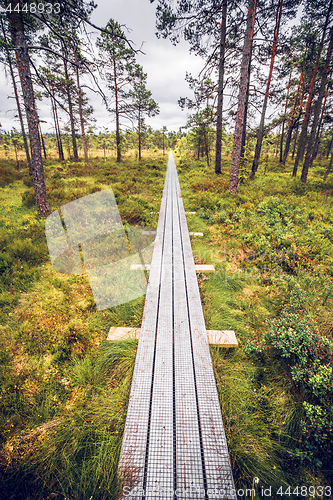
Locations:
165 65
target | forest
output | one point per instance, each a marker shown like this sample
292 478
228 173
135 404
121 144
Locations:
254 157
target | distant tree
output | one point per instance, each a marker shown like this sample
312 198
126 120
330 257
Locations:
18 104
264 107
140 101
310 151
242 97
323 20
164 131
16 23
204 25
119 62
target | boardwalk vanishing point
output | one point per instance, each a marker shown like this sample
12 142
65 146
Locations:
174 444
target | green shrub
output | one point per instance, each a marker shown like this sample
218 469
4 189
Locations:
310 362
27 251
28 181
28 198
6 261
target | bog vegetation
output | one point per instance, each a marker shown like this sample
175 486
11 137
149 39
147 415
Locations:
64 389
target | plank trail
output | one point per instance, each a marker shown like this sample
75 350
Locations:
174 444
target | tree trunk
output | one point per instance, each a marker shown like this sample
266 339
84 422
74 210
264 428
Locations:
329 147
25 140
244 79
22 56
329 168
303 136
264 107
293 122
284 119
295 141
310 150
70 107
42 141
206 145
83 134
57 129
245 111
61 150
117 111
220 89
139 134
320 128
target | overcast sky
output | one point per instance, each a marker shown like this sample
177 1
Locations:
165 65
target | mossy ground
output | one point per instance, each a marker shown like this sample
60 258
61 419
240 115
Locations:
65 390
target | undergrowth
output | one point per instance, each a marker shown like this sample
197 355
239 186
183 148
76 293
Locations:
64 391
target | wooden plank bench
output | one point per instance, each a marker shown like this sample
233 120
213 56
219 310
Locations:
174 444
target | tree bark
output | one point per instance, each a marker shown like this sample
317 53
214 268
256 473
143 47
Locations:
25 141
303 136
70 107
117 111
205 133
42 141
218 147
295 140
264 107
320 128
22 56
328 168
284 119
293 122
329 147
57 129
83 133
244 79
139 134
245 112
310 150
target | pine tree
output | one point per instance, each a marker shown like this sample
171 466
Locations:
140 101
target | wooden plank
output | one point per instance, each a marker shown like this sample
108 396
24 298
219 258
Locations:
174 437
160 453
199 268
218 472
189 466
122 333
134 446
203 268
221 338
140 266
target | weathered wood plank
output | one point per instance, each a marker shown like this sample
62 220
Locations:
218 472
204 268
221 338
134 446
199 268
160 464
189 467
174 438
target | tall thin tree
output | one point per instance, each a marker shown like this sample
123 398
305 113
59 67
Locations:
16 23
304 130
242 96
264 107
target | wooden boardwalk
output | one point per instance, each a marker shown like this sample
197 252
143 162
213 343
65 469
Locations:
174 444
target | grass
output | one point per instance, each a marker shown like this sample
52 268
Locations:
65 390
274 231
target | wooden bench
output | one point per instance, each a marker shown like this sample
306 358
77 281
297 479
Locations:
174 444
